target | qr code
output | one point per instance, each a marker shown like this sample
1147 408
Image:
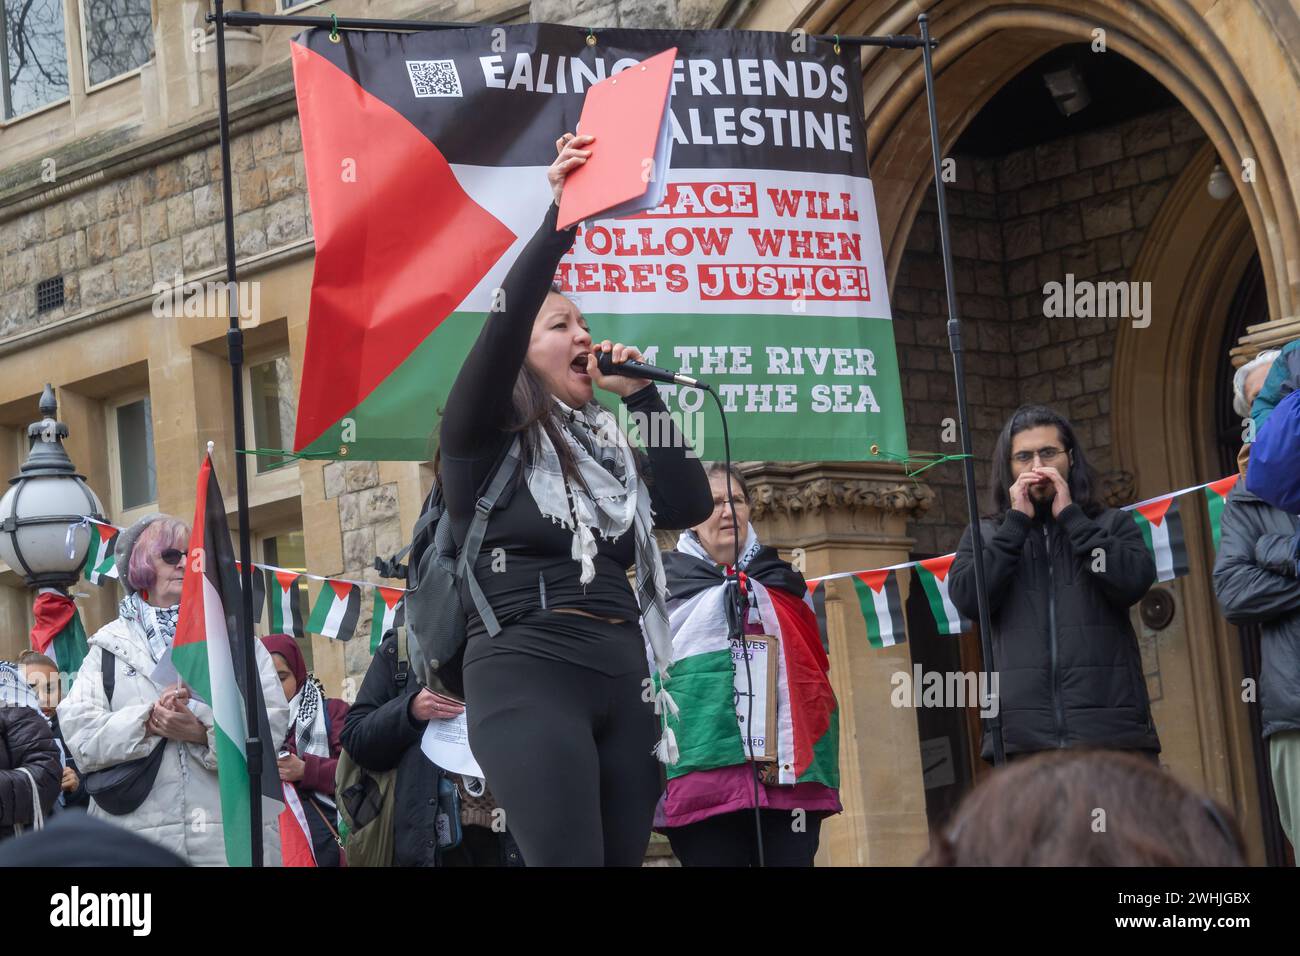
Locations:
434 77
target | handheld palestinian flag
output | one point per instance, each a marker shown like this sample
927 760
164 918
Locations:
1162 529
388 614
285 602
209 654
1216 498
882 607
58 632
100 563
815 598
933 574
259 590
295 835
336 611
702 681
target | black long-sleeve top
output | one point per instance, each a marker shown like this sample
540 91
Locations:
537 551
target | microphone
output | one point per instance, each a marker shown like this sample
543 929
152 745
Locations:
634 369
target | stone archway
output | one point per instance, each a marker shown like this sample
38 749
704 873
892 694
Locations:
1224 73
1194 255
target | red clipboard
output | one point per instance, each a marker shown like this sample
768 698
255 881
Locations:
628 168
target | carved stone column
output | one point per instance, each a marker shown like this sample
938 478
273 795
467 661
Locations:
849 517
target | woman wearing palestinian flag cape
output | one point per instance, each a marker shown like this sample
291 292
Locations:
707 808
555 676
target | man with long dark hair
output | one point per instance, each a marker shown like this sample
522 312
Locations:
1062 573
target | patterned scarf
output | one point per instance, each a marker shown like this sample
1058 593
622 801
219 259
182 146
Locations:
688 542
307 722
158 623
613 499
14 691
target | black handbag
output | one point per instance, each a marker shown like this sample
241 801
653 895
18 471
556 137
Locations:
121 789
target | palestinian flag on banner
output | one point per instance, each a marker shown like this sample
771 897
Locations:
702 681
209 654
388 613
295 835
259 590
285 602
336 612
1216 498
418 217
100 562
815 599
1162 529
58 632
933 574
882 607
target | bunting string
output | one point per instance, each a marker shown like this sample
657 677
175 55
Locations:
337 607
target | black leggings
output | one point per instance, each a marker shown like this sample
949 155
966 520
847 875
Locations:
728 839
567 753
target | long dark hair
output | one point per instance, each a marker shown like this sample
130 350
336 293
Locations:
533 412
1081 477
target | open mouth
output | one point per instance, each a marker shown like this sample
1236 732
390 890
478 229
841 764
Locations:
579 364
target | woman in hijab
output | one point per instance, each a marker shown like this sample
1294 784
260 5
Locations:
707 810
147 709
311 749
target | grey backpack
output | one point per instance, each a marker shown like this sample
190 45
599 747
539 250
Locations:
434 572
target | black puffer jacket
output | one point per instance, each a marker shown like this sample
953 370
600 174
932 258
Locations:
380 734
1068 665
26 741
1255 581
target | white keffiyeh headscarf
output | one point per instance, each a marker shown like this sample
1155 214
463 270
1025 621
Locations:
614 499
14 691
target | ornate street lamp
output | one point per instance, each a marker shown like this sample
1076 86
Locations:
46 497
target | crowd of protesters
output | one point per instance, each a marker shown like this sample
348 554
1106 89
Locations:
562 721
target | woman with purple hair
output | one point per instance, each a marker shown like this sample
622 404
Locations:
122 708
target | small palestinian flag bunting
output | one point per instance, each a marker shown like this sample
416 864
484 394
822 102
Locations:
1162 528
259 590
1216 497
933 574
388 614
882 607
99 559
285 603
815 598
336 611
58 632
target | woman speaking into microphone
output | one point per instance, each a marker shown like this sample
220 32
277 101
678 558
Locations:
560 717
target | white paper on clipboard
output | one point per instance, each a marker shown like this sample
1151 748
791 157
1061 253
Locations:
446 743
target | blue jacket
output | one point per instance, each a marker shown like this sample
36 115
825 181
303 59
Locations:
1274 469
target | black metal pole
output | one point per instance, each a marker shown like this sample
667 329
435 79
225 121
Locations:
235 352
963 415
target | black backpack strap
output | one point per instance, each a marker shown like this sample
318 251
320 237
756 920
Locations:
403 660
108 671
478 529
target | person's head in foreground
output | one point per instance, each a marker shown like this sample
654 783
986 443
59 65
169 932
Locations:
1086 808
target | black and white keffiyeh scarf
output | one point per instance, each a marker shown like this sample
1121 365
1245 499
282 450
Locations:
613 499
158 623
307 723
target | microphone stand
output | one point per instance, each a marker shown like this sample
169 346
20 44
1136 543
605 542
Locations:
737 604
737 618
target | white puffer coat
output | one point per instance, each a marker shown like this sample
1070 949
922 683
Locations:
183 810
